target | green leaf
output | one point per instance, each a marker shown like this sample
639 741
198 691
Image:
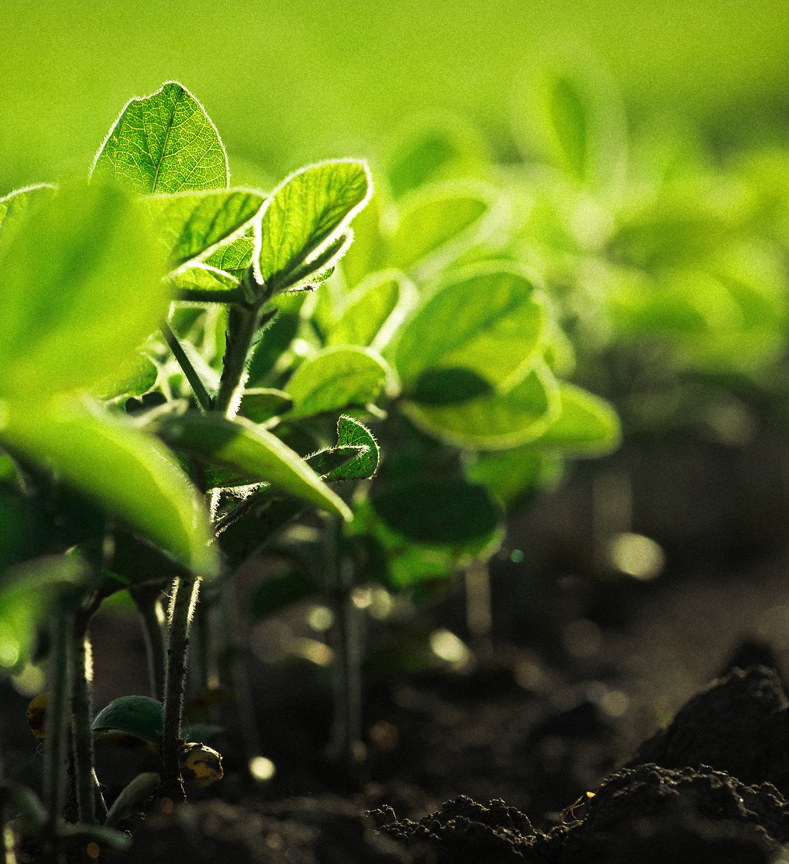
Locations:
80 289
367 315
433 149
164 142
135 792
18 206
512 475
355 456
489 322
586 425
29 593
304 215
495 421
235 257
240 445
440 223
124 469
262 403
137 715
189 223
571 113
137 377
367 253
438 512
336 378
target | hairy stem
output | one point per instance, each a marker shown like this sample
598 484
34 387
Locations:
82 662
242 325
185 590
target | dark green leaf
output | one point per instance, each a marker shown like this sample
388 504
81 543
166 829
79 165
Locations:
164 142
262 403
138 715
355 457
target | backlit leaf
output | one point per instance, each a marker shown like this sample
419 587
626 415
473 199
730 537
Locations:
126 470
494 421
305 214
488 323
191 222
354 457
586 424
17 206
336 378
164 142
80 289
257 453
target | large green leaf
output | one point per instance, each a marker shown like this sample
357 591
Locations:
367 253
127 471
488 323
164 142
494 421
80 288
305 214
372 312
441 222
336 378
191 222
586 425
241 445
17 206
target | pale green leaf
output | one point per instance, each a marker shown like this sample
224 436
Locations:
367 253
305 214
259 404
493 421
586 425
513 475
241 445
488 324
336 378
127 471
17 206
135 378
80 288
236 256
367 315
441 223
192 222
164 142
202 281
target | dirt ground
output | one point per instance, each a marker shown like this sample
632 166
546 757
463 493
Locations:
546 746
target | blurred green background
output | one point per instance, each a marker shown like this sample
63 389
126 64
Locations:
288 83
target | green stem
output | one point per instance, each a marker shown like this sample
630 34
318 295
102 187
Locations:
184 597
81 718
232 295
146 599
242 325
346 729
57 725
196 383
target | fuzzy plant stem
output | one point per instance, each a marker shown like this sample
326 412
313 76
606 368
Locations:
82 663
242 325
346 730
185 590
57 725
146 599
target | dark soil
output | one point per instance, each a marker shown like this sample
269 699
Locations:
589 733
